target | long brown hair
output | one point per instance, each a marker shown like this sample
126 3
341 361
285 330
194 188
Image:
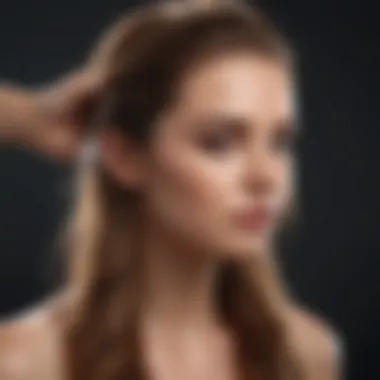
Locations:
144 57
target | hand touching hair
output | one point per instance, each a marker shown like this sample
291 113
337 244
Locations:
49 119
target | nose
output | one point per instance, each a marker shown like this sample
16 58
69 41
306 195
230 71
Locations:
261 175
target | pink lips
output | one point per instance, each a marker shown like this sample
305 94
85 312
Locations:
256 219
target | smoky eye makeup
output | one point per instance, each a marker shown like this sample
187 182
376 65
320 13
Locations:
224 135
219 136
284 139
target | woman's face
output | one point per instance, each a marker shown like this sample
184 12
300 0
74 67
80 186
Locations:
221 165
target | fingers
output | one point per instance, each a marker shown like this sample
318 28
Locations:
67 98
59 143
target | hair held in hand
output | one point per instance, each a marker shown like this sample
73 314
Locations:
143 57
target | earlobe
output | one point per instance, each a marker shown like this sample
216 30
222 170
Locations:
122 159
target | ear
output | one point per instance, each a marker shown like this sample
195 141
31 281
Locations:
123 159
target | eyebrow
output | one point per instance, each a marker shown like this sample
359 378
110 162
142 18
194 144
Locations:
239 121
225 118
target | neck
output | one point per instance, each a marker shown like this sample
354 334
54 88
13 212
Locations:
179 285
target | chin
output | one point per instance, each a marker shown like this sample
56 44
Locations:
245 249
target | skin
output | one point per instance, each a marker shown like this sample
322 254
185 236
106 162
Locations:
225 146
41 119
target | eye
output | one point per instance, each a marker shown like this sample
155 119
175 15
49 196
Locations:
284 140
221 136
218 141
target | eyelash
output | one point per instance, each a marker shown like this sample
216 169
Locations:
218 142
223 141
284 142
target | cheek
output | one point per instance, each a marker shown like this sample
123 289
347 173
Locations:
189 195
285 173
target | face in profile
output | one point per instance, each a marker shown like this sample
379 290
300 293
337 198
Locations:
220 166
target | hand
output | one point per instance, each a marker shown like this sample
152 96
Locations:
59 129
49 119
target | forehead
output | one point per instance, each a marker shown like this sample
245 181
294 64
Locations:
243 84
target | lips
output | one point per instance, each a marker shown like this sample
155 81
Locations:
258 218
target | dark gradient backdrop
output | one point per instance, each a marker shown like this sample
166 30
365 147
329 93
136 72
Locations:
333 263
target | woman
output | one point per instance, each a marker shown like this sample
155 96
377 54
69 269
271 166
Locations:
188 174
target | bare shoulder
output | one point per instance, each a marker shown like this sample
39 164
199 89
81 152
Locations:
28 345
320 345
